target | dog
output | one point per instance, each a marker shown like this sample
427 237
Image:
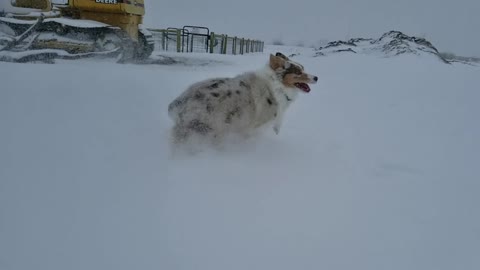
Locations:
214 108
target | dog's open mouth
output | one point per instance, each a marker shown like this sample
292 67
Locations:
303 86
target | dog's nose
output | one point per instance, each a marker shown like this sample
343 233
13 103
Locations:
315 78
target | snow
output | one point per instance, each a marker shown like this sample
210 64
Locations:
48 55
64 21
13 20
375 168
79 23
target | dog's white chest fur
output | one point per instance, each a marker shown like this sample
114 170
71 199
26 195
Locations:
282 95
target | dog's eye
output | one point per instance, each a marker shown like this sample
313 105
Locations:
298 72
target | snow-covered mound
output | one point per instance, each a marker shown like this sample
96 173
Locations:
392 43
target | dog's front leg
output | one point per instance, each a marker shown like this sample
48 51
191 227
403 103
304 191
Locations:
276 128
277 125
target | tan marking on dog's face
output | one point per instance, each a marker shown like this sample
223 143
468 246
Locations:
295 74
290 80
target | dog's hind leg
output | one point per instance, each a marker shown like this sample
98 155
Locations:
184 132
180 140
179 134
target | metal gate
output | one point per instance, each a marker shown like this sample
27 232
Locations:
198 38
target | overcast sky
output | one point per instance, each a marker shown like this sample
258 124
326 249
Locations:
452 25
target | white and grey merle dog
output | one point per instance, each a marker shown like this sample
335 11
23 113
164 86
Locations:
217 107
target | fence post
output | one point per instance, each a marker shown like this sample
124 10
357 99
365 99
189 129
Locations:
163 40
244 46
234 46
212 41
224 49
166 39
222 43
179 40
241 46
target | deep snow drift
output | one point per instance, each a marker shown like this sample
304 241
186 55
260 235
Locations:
392 43
376 168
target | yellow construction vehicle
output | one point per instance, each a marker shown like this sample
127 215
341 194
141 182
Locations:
78 27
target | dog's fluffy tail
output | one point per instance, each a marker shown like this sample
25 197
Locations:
172 112
173 109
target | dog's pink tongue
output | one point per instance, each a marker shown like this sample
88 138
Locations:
303 86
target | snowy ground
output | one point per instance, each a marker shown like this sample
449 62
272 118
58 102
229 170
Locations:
376 168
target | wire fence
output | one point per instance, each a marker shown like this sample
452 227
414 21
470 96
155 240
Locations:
200 39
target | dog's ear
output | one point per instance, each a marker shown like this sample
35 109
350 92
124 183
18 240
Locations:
276 62
279 54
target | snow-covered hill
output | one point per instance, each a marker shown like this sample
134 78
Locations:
390 44
375 168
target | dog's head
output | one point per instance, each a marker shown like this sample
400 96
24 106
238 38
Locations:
291 73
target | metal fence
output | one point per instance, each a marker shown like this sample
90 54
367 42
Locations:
201 39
